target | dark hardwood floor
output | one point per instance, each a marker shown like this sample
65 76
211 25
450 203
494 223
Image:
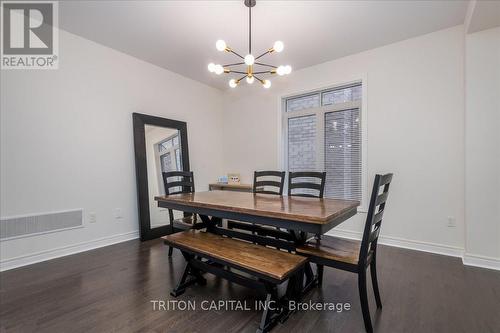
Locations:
109 290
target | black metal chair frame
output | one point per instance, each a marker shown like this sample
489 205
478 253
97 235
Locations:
368 250
187 186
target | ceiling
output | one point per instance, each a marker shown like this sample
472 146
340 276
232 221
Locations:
180 35
482 15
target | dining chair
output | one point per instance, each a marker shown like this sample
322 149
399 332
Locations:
176 182
261 182
265 182
306 184
355 256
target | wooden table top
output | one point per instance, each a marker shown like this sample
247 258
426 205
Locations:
231 186
305 210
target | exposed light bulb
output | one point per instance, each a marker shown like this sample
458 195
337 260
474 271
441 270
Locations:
280 70
211 67
220 45
249 59
278 46
288 69
233 83
250 79
266 84
218 69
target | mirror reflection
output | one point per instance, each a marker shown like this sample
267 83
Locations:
163 154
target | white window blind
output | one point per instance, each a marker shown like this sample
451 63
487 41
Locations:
324 134
343 155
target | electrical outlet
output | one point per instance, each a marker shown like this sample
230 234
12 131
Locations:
92 217
118 213
452 223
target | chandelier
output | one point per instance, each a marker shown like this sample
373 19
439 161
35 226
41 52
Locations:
254 69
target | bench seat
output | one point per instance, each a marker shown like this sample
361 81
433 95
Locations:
272 263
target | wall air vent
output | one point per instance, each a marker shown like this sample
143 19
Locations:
34 224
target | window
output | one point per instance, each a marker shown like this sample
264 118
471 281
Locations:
165 145
168 156
302 143
323 132
302 102
343 154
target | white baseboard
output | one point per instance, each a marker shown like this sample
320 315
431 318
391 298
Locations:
406 243
467 259
481 261
65 250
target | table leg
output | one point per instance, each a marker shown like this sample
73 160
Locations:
210 222
311 280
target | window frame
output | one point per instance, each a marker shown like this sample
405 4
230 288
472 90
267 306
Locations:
319 113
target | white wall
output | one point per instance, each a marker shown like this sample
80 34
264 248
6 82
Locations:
66 141
415 109
66 137
482 143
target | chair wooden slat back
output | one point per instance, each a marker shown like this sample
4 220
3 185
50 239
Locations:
259 184
317 188
186 182
375 215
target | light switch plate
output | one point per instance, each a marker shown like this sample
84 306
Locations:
118 213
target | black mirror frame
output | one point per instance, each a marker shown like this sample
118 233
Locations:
139 122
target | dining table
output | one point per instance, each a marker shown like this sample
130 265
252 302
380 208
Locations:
297 217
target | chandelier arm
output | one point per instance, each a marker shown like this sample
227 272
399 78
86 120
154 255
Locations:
267 65
261 81
235 64
263 54
264 72
241 78
237 54
238 72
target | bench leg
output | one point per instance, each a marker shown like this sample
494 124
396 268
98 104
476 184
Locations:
310 280
266 315
295 286
293 293
184 282
320 274
274 311
190 276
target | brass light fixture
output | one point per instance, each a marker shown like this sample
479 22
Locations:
249 60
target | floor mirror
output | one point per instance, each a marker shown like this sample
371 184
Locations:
160 145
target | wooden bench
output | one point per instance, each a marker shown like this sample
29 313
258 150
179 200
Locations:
267 267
